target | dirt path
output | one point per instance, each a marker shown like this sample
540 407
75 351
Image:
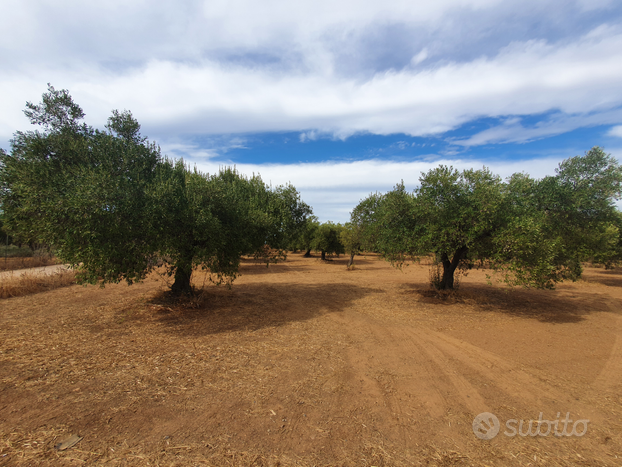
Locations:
306 363
35 271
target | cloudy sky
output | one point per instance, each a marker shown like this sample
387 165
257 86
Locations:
340 98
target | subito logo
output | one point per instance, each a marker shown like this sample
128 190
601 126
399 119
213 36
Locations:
486 426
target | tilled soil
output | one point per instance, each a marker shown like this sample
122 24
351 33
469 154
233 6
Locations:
306 363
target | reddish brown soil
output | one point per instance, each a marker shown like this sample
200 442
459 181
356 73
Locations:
306 363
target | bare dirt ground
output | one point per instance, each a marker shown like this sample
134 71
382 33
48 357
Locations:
306 363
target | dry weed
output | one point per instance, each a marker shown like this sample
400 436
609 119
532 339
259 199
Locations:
12 264
31 283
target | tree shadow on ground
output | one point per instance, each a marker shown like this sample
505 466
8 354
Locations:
251 307
548 306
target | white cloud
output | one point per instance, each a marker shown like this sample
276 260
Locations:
212 149
311 135
188 28
420 57
513 131
165 63
173 98
333 189
615 131
187 151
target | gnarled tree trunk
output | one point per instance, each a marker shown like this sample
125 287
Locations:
183 273
449 268
351 262
307 254
323 255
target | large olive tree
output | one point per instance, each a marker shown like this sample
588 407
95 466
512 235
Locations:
110 204
82 191
536 232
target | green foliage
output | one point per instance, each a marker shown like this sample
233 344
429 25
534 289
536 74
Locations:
327 239
14 251
365 224
56 112
373 227
305 234
3 232
109 202
82 191
212 220
289 217
123 125
457 214
535 232
608 243
396 213
561 220
350 238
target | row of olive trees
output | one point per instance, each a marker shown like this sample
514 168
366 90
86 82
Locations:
535 232
108 202
329 239
325 238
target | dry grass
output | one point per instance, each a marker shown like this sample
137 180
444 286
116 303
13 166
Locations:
27 283
37 448
12 264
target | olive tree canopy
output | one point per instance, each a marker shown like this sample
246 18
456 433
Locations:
111 205
536 232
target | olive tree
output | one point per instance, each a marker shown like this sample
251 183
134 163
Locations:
82 191
535 232
456 215
327 239
607 242
560 221
350 237
363 231
212 220
110 204
306 234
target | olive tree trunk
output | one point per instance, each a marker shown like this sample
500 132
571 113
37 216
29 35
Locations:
449 268
183 273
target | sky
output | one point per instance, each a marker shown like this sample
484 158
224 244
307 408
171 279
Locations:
339 98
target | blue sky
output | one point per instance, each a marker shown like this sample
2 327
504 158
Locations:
339 98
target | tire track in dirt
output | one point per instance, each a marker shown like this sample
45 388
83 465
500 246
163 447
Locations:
526 390
435 378
610 377
467 393
444 373
368 381
407 391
